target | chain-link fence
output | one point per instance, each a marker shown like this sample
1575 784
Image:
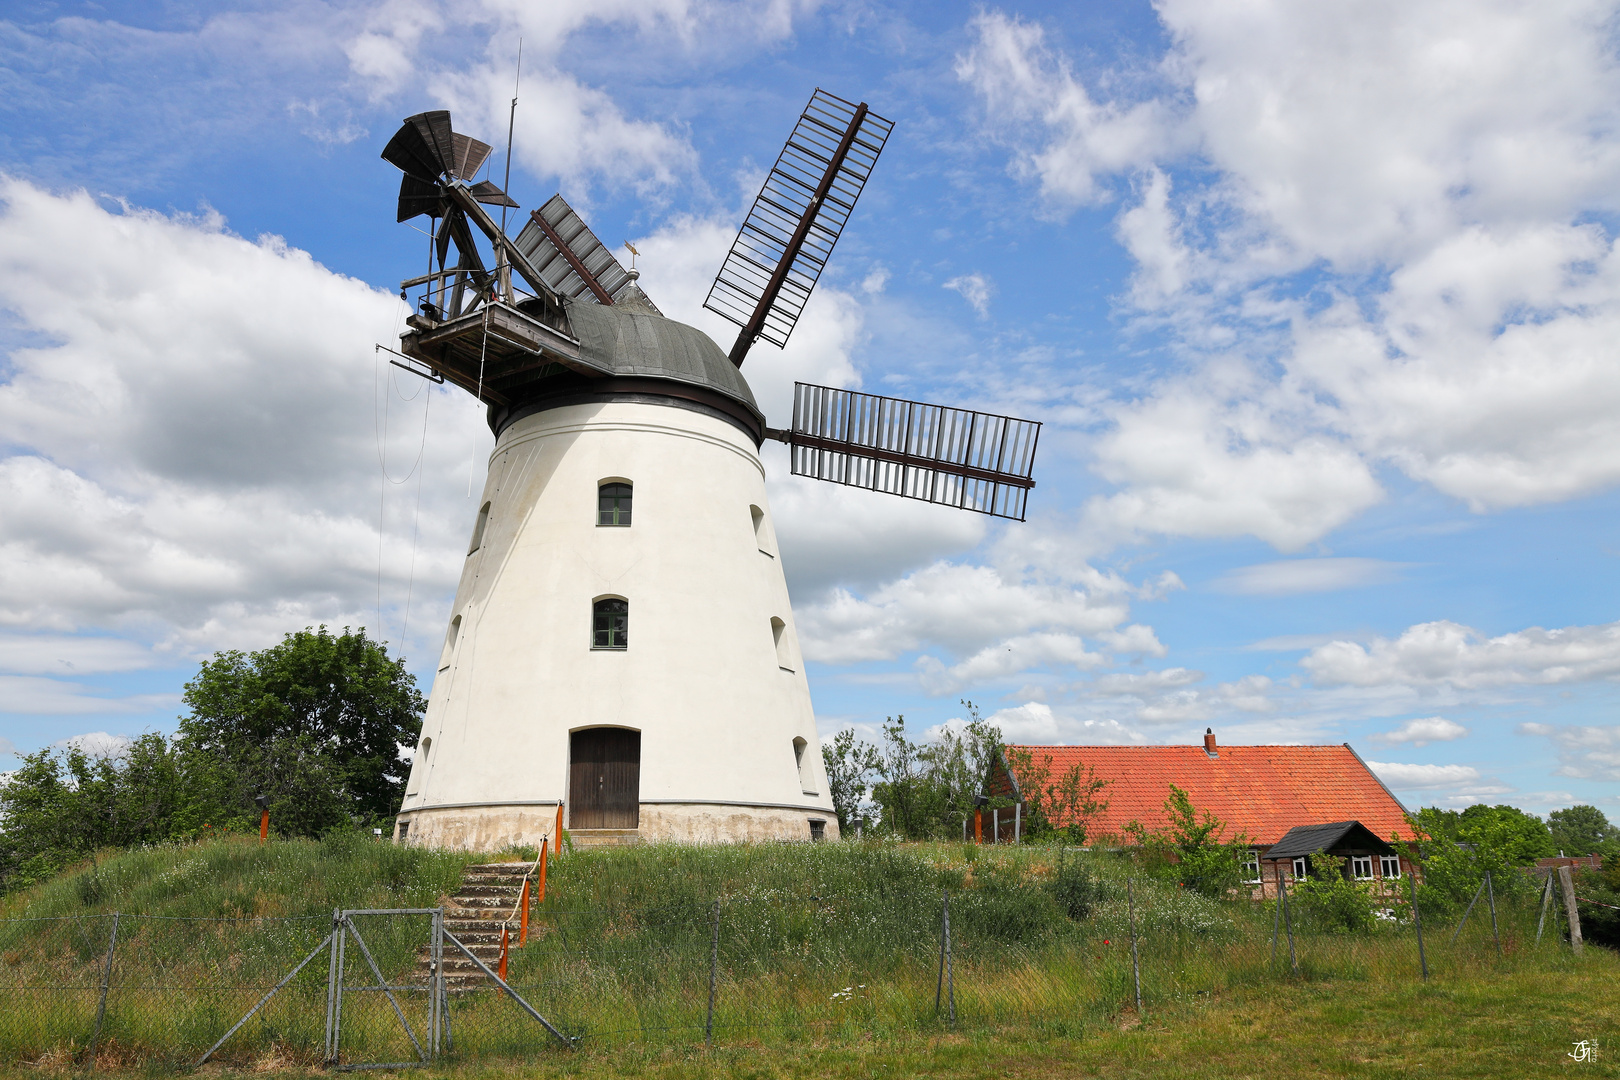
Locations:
394 987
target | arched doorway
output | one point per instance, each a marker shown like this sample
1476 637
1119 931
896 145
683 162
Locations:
604 778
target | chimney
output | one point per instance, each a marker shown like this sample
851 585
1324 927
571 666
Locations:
1209 742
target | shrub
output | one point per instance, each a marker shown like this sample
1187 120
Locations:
1330 901
1075 888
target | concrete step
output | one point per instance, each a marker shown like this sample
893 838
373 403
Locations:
589 838
514 890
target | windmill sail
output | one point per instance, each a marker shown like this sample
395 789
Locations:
954 457
569 257
785 241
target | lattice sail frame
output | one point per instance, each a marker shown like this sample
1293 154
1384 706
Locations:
953 457
564 224
783 203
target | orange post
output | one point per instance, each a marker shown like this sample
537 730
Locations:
264 825
978 826
556 834
540 893
500 969
523 918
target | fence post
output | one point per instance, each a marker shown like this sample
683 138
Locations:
1490 895
714 970
1417 921
540 890
523 916
1469 910
1566 881
944 937
101 1005
1018 823
1136 962
1288 924
435 954
1546 899
950 973
334 988
1276 917
995 824
556 834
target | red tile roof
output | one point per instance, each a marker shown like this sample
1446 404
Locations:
1262 791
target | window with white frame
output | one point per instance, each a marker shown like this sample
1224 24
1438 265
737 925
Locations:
1361 867
1251 868
1302 868
1390 865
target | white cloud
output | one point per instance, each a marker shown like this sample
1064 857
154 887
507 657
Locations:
32 695
1371 235
1422 777
1203 463
67 656
976 289
958 607
1293 576
1010 656
1447 654
1423 731
97 744
6 747
1029 90
190 466
1584 752
1031 722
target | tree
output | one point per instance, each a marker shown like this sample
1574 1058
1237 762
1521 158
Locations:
62 805
1072 798
849 766
1190 845
926 789
1456 850
1581 830
315 723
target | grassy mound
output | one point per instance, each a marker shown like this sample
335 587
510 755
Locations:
815 942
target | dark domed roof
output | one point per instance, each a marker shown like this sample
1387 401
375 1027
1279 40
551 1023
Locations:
636 341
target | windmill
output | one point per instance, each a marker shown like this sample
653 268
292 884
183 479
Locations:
625 492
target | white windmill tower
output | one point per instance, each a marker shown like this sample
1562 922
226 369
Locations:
621 643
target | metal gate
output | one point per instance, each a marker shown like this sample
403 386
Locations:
369 993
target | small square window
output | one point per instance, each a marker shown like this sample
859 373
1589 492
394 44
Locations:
1361 867
1302 868
818 829
1251 868
1390 865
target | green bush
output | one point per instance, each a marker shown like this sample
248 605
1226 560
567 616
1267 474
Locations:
1076 888
1330 901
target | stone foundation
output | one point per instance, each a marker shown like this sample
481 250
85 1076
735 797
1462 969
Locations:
491 828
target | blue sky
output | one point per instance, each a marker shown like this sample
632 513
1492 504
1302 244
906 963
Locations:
1318 306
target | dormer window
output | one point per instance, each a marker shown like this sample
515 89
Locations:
613 504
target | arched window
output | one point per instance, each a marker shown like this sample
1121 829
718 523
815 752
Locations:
807 770
761 537
613 504
779 636
450 642
610 624
478 529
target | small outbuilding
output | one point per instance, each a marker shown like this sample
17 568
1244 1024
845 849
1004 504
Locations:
1366 857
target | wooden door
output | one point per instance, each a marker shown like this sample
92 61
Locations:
604 782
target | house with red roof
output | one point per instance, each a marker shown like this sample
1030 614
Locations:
1259 792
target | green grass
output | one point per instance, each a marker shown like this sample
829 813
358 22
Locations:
828 965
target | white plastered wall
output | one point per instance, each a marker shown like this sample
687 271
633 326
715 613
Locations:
718 708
